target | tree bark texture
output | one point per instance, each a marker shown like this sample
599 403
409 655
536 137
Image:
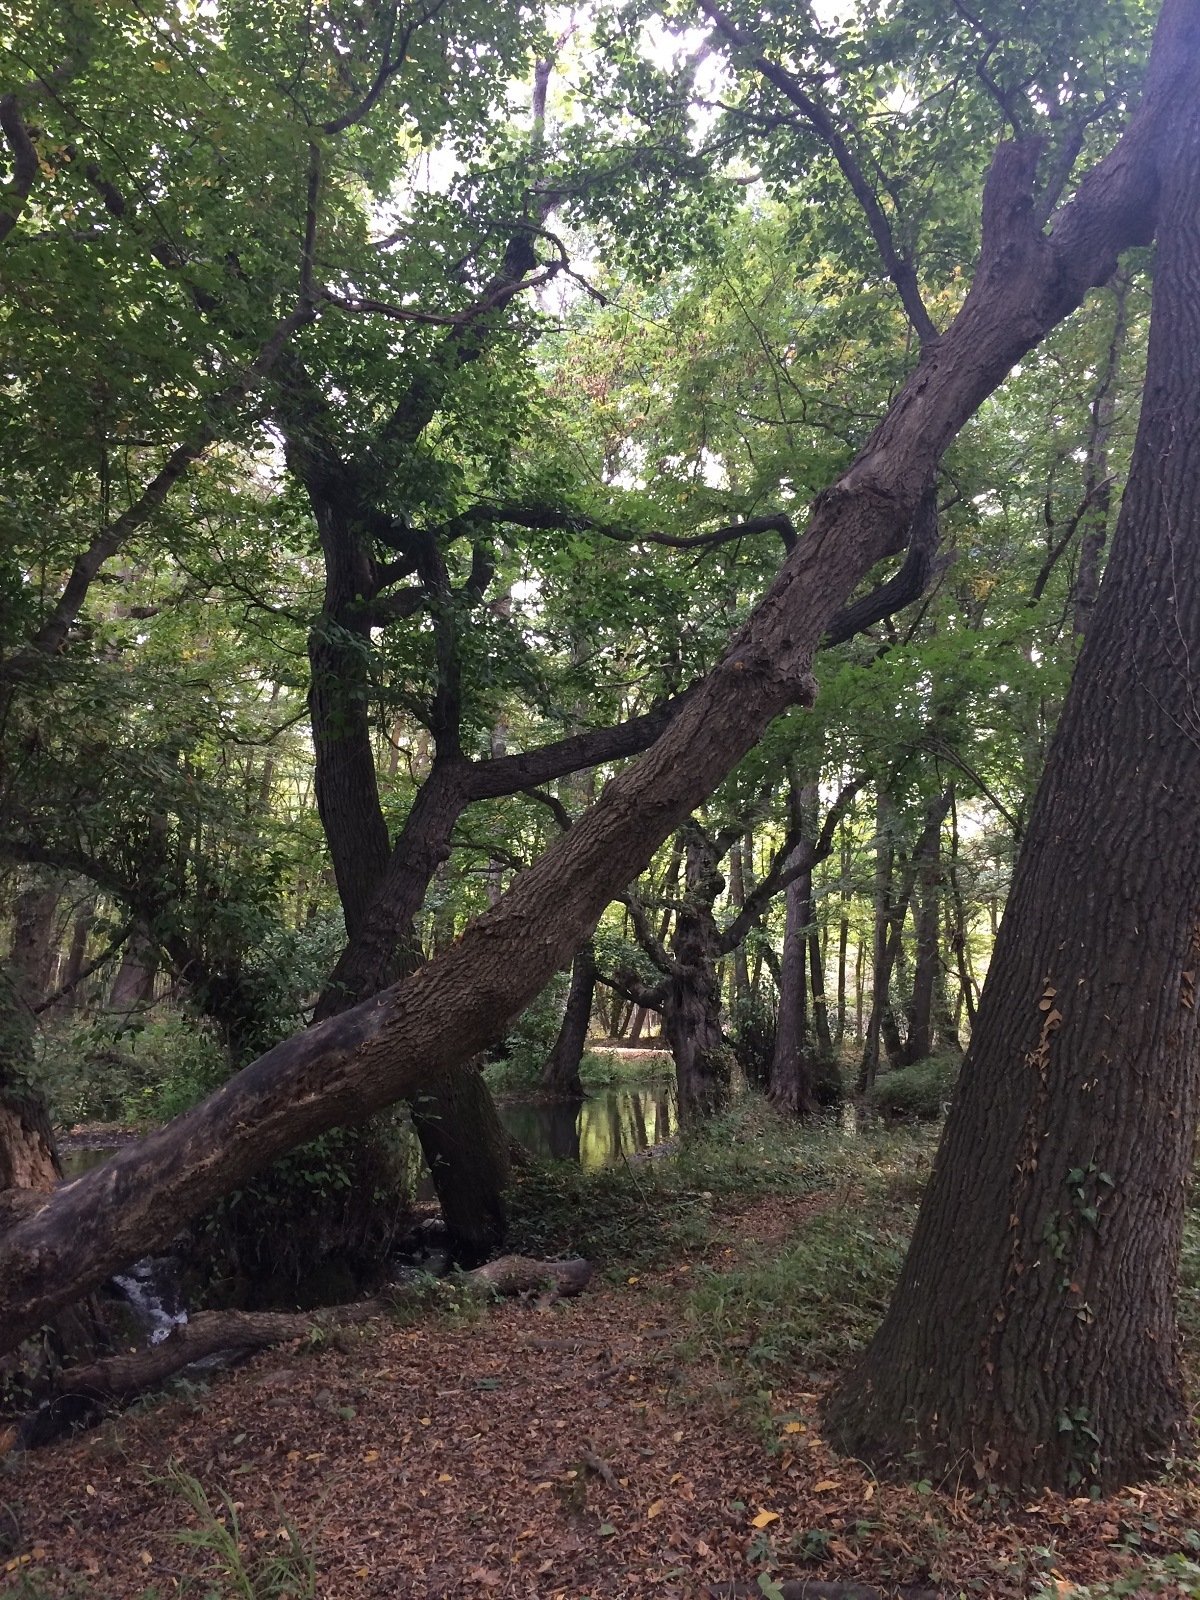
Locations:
408 1037
1032 1337
791 1087
691 1007
927 859
560 1074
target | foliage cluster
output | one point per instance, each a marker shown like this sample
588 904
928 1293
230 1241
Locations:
920 1092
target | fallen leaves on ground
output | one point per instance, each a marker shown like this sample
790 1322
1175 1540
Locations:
558 1452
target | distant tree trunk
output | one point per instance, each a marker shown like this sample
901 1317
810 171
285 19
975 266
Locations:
1032 1336
468 1154
882 961
81 927
560 1074
792 1086
816 972
957 917
33 952
1097 484
133 986
843 934
737 899
927 964
860 974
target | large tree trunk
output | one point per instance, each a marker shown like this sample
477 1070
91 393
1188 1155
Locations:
407 1038
28 1157
691 1009
33 951
560 1075
1032 1337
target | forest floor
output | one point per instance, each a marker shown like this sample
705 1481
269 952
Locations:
655 1437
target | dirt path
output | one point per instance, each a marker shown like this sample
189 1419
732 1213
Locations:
561 1452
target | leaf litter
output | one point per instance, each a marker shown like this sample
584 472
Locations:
557 1452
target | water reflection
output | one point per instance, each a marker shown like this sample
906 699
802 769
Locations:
608 1127
596 1132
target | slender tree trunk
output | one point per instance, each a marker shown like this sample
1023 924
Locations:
737 899
81 927
792 1085
881 969
1097 482
927 965
560 1074
958 923
843 934
1032 1337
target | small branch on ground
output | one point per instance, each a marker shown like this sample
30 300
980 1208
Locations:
239 1333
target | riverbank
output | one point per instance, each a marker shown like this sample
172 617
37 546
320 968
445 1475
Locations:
657 1436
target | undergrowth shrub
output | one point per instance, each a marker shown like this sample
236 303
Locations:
753 1025
317 1226
920 1092
816 1302
135 1071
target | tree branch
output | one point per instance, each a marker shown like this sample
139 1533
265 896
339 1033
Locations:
899 269
25 165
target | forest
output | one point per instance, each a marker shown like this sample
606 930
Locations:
599 798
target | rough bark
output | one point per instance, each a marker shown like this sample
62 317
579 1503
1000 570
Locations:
691 1005
927 857
560 1075
1032 1337
409 1036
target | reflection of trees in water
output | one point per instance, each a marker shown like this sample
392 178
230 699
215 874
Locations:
623 1122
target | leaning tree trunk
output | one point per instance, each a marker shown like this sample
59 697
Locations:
393 1046
560 1075
1032 1337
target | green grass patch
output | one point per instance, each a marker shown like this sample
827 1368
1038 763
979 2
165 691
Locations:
919 1093
815 1303
639 1212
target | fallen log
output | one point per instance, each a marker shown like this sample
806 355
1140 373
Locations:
83 1391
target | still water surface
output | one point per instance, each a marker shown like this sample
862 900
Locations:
610 1126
